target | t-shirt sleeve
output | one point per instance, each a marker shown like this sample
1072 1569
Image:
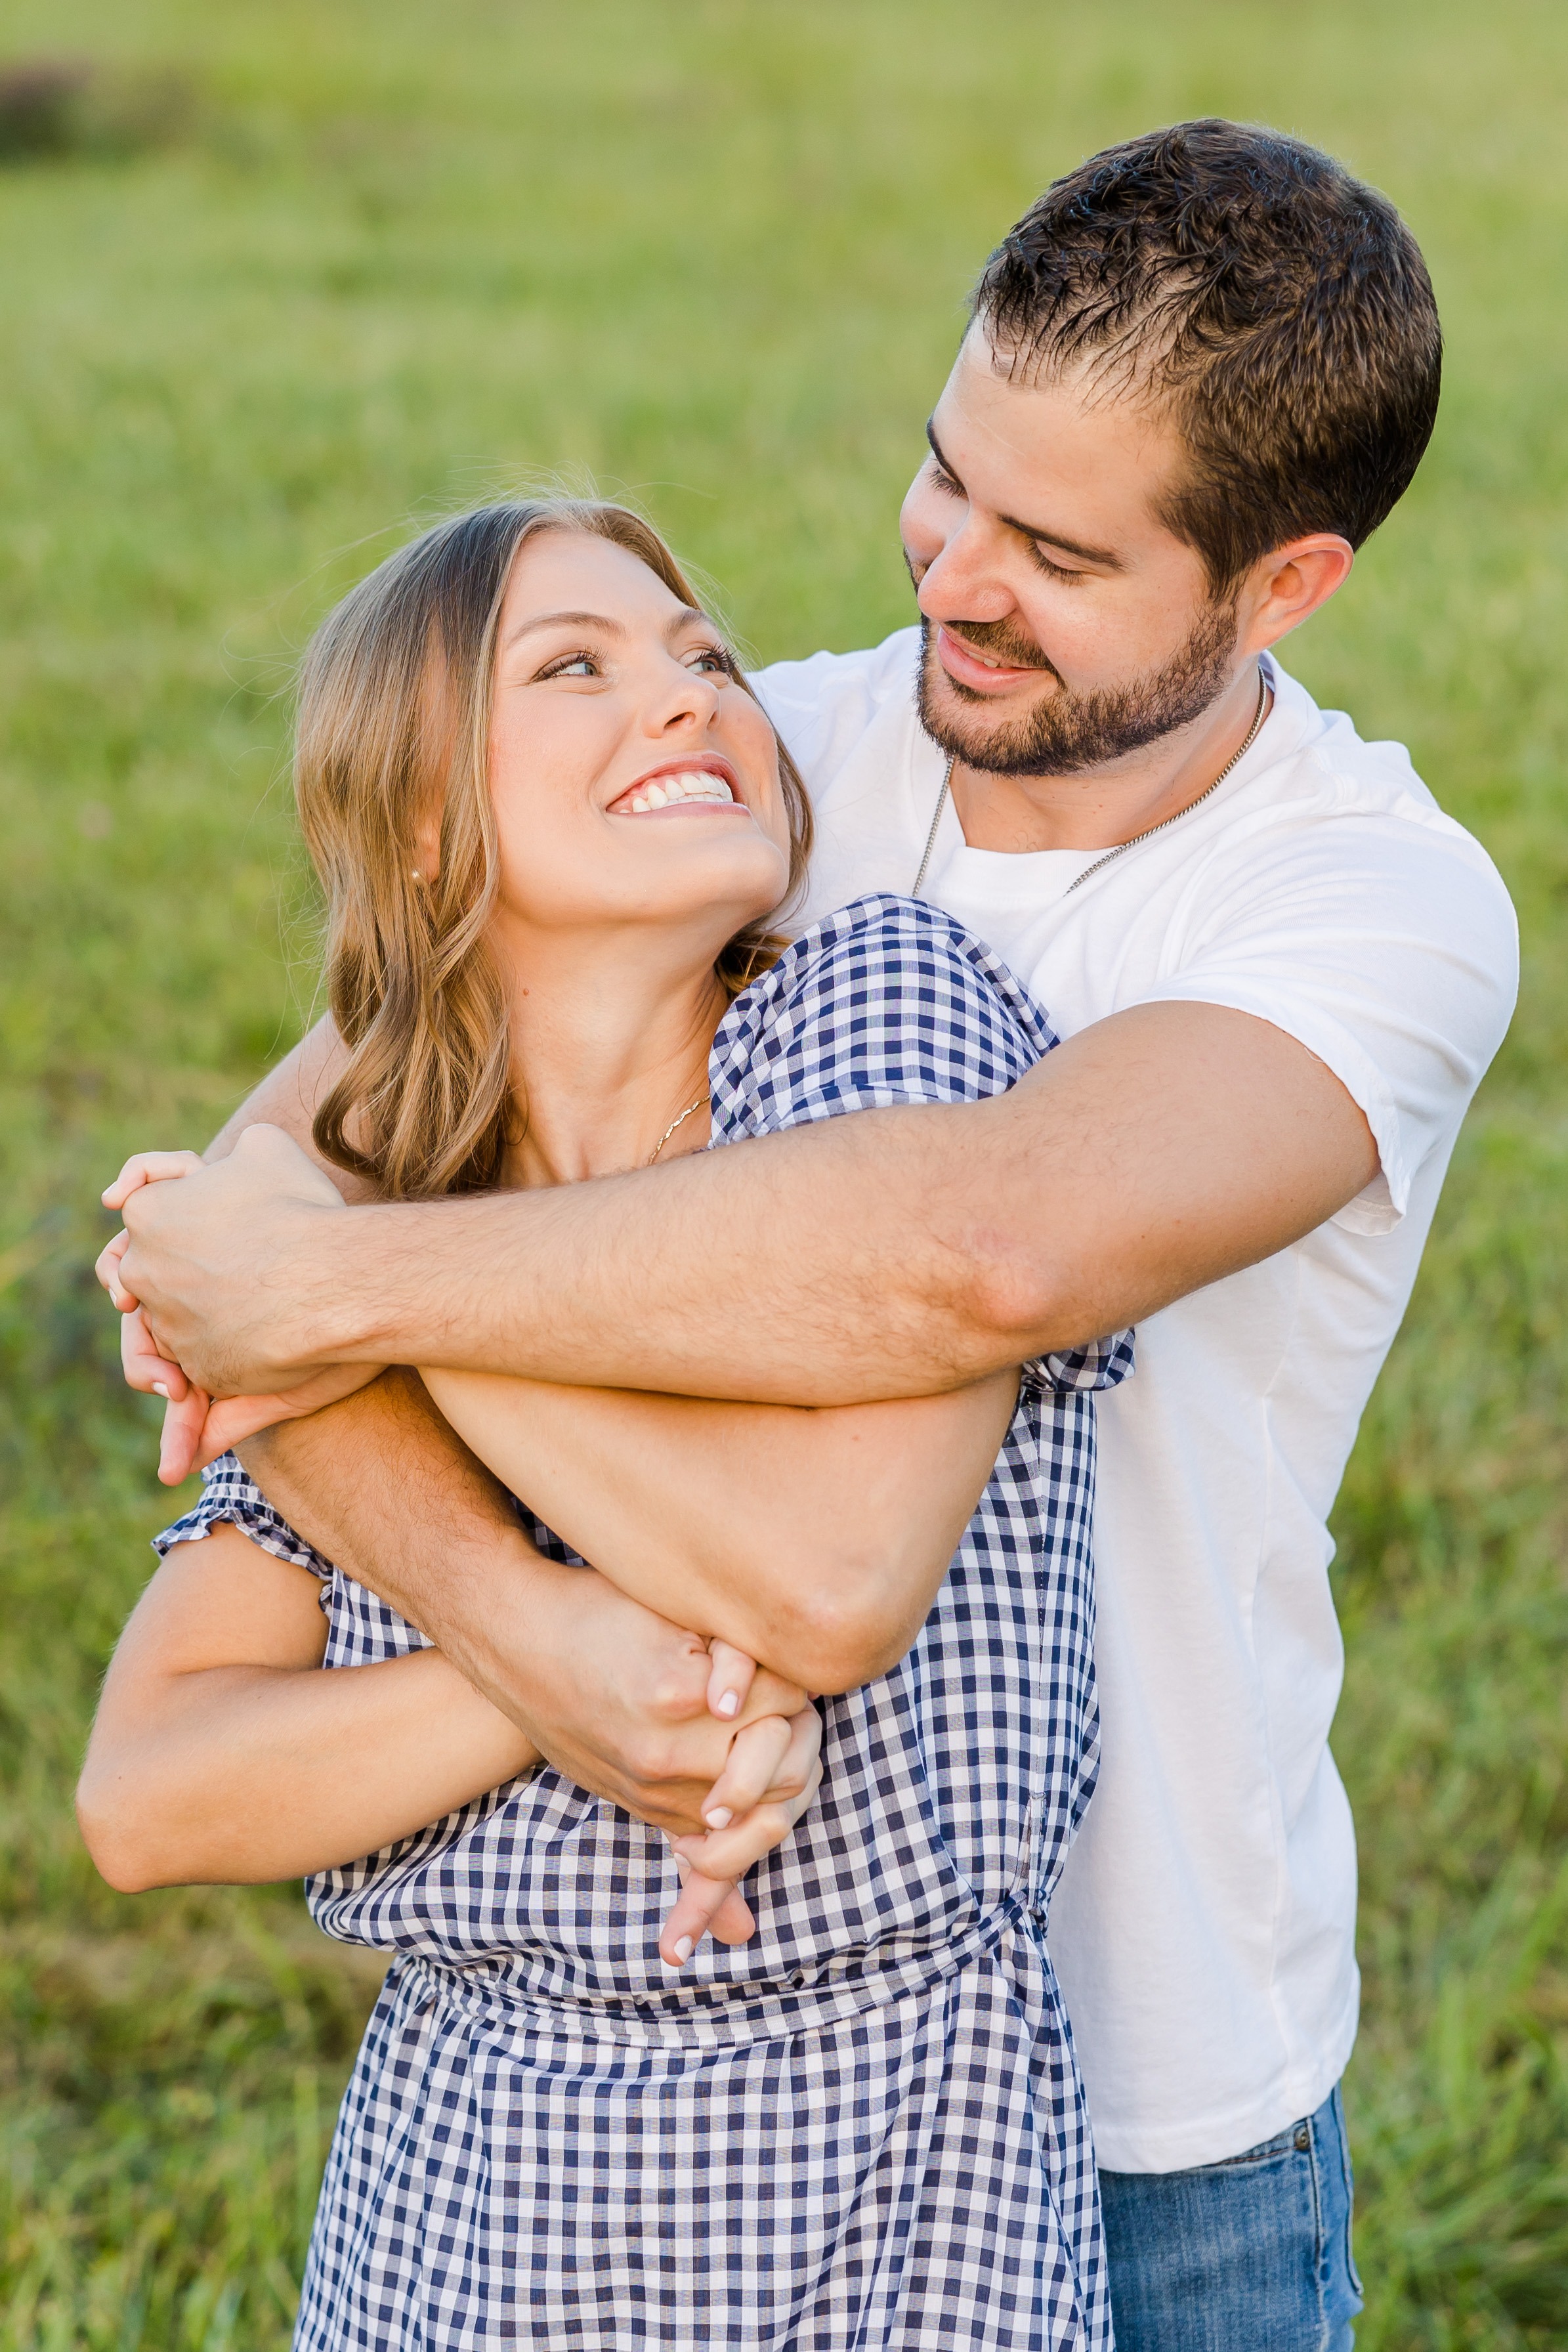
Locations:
823 706
888 1000
228 1495
1385 944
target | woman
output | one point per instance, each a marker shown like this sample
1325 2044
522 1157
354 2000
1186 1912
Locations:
555 831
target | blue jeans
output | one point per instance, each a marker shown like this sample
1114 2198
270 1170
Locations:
1249 2255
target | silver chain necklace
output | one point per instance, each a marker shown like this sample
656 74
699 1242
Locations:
1122 846
931 836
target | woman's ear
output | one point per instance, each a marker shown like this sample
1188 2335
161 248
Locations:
426 867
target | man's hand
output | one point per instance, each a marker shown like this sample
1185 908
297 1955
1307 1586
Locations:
197 1428
183 1261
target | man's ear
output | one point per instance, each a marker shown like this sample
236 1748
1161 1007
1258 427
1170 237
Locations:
1288 586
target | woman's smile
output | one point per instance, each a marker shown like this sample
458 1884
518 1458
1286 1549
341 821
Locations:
704 783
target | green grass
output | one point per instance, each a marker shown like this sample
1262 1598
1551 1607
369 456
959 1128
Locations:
383 257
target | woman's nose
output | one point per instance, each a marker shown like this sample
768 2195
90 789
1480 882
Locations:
689 700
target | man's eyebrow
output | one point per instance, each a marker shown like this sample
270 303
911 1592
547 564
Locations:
1099 555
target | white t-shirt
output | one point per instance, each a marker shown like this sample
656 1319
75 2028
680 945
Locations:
1204 1930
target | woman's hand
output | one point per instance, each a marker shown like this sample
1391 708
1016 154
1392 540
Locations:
197 1428
773 1771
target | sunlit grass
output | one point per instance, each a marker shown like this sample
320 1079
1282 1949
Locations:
380 259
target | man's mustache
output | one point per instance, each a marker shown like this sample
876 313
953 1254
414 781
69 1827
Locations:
1002 641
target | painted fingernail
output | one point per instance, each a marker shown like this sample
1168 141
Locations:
729 1703
720 1818
684 1949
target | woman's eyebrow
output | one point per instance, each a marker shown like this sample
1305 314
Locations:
612 628
574 620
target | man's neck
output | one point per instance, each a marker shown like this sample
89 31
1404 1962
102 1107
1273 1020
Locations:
1103 807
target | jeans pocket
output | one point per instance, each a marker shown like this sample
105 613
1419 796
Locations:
1344 2296
1348 2175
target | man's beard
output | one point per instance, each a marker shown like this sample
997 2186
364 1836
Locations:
1067 732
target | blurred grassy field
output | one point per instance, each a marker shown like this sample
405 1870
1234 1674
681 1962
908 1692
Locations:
356 262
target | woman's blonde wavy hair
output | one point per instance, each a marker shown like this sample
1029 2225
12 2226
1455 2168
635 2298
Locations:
394 721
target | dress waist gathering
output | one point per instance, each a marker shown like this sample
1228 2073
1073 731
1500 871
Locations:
503 1997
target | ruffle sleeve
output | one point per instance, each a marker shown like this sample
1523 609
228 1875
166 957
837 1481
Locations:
227 1494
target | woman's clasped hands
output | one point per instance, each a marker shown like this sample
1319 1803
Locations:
773 1767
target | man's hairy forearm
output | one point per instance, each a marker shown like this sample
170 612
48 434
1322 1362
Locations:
894 1253
612 1695
384 1488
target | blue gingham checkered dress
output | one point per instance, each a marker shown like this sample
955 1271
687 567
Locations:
865 2128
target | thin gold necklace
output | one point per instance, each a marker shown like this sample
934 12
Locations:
672 1125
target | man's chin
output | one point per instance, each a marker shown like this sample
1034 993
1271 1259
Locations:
984 731
1053 731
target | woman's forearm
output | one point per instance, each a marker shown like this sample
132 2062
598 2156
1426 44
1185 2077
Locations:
813 1540
242 1774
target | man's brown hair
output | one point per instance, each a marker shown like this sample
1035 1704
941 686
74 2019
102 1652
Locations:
1280 307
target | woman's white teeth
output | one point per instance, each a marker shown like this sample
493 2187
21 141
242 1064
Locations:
700 785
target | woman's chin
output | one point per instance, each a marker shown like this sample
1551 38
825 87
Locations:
739 880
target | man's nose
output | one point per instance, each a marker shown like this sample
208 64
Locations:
962 582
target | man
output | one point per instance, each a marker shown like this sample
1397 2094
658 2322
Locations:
1199 372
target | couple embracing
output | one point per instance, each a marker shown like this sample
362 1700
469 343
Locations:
692 1138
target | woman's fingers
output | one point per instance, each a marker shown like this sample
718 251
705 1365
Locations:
703 1906
772 1758
148 1167
180 1446
729 1680
143 1366
796 1781
774 1770
729 1853
106 1266
231 1418
756 1755
198 1429
733 1922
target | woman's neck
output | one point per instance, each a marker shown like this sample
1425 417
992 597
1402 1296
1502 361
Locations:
610 1044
